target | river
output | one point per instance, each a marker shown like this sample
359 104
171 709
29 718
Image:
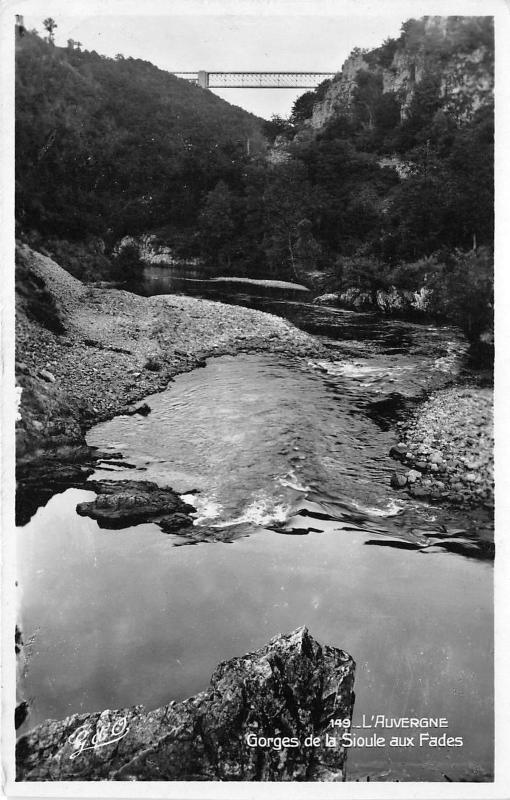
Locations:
287 464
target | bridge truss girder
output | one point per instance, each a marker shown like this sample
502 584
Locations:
255 80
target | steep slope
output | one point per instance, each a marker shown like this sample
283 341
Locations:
395 158
455 53
112 146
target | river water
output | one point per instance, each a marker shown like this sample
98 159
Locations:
286 461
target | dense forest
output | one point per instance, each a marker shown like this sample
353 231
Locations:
382 194
107 147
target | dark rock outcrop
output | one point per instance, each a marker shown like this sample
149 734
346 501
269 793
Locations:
175 522
291 688
37 482
120 504
21 713
390 302
357 299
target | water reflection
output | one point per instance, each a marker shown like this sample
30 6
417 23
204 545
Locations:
293 458
127 618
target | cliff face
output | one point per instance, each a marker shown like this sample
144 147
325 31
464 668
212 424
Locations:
457 52
340 95
467 83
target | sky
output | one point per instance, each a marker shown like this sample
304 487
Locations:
215 42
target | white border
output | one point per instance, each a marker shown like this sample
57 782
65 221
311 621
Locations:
500 789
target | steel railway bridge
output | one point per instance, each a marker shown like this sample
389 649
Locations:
255 80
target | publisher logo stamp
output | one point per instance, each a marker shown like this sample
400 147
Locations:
87 738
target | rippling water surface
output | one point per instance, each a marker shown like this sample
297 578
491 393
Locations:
288 460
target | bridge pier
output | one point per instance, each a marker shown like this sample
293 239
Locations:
203 79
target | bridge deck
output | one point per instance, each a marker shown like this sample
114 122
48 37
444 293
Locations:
255 80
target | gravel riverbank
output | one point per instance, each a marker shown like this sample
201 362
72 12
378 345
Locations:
114 347
448 448
85 354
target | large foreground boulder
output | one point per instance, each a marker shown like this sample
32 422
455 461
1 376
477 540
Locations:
290 688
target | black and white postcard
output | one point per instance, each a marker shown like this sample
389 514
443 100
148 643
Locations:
253 264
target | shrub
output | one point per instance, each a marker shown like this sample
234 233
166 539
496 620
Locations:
127 265
153 364
464 292
415 275
362 271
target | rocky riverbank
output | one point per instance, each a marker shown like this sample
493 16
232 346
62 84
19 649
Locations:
287 692
391 302
85 354
447 448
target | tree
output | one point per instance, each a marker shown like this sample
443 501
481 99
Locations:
386 52
303 107
426 101
307 250
387 119
419 216
216 224
50 25
128 266
287 201
465 291
366 95
360 270
251 235
118 147
277 126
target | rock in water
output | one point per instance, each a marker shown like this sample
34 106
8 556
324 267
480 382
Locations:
398 481
142 408
120 504
175 522
292 687
329 299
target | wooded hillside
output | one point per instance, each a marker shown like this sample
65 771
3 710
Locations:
108 146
